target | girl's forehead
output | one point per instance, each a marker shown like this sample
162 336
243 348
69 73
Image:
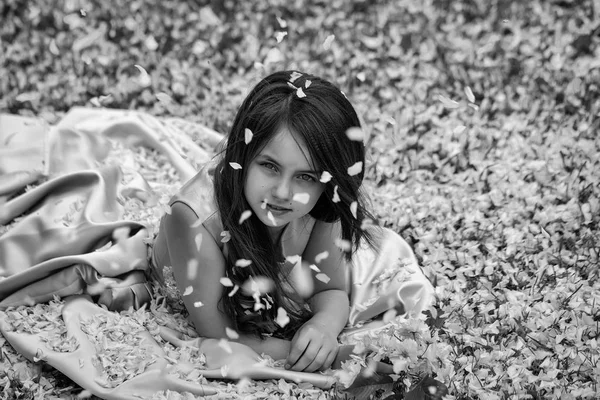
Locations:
289 149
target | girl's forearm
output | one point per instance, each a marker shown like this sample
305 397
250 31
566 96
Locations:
276 348
331 309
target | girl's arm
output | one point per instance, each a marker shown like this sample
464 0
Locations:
198 265
315 345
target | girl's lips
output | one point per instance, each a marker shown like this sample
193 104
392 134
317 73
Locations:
277 210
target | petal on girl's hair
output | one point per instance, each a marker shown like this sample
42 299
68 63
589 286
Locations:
198 304
336 196
233 291
314 268
231 334
355 133
225 281
188 290
328 41
226 236
290 84
192 269
325 177
323 277
279 35
366 223
307 83
355 168
257 285
353 208
321 256
224 344
470 95
282 318
144 78
245 215
198 240
242 262
248 135
235 165
459 129
300 93
343 244
271 218
303 198
294 75
448 103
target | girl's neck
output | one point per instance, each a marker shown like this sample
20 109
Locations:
276 232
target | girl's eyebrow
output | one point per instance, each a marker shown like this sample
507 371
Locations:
270 159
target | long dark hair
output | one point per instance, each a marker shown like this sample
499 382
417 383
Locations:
319 114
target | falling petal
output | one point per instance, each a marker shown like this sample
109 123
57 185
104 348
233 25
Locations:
448 103
248 135
361 76
188 290
314 268
257 285
242 262
279 35
474 106
198 304
367 222
245 215
355 168
294 259
336 196
226 236
234 291
325 177
343 244
470 95
263 205
198 240
459 129
328 41
231 334
53 47
224 344
282 318
235 165
294 75
197 223
389 315
164 98
144 78
224 370
353 208
323 277
307 83
303 198
300 93
355 133
282 23
192 269
225 281
321 256
271 218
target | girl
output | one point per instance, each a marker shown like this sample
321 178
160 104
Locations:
272 266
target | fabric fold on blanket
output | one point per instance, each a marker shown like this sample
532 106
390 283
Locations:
68 237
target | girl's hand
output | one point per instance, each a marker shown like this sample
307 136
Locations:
314 347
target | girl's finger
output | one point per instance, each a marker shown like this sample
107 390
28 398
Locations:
330 359
298 347
312 350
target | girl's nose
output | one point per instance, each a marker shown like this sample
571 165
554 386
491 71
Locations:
282 190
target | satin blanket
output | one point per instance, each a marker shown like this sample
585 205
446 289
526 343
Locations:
74 259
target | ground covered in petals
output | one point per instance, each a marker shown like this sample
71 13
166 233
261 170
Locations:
482 124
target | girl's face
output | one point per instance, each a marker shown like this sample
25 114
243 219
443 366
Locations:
281 183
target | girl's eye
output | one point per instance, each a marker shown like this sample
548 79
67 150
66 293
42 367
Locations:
269 165
307 178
